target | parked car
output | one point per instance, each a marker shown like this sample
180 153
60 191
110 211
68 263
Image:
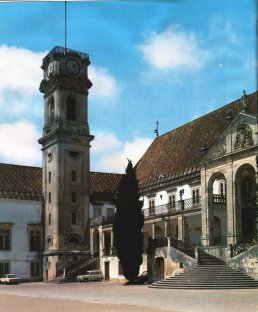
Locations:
142 279
94 275
9 279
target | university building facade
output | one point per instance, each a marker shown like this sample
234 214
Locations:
198 184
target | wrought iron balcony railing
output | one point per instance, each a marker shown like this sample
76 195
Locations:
167 209
102 221
219 199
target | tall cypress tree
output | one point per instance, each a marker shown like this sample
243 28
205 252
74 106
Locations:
128 224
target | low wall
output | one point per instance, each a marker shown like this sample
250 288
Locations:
246 262
175 261
221 252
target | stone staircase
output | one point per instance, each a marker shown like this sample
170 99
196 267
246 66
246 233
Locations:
210 273
77 268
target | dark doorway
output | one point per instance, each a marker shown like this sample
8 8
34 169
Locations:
107 271
216 231
159 268
248 223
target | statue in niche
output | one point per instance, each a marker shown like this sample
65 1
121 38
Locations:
243 137
221 151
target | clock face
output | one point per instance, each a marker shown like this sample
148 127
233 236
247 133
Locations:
73 66
50 68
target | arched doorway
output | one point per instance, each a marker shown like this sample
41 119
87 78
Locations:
217 210
245 203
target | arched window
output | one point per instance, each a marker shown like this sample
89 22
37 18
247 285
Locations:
51 109
71 113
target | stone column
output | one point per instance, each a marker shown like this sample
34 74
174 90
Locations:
231 212
166 228
204 204
153 230
180 222
91 241
101 239
111 242
256 188
209 220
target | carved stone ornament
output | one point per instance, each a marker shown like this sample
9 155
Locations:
243 137
49 156
221 151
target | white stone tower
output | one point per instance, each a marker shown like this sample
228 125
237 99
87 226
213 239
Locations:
65 145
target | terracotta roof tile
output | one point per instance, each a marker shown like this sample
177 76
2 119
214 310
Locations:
16 180
179 150
103 185
21 179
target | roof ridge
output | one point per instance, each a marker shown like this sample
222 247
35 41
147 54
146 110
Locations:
16 165
97 172
201 117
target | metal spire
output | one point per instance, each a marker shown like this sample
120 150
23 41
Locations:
157 129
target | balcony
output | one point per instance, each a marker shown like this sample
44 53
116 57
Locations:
219 199
173 208
102 221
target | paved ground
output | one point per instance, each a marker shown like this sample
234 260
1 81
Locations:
110 296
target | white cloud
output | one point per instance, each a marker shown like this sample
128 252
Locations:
104 142
18 143
104 84
222 31
21 75
20 70
19 80
173 49
111 154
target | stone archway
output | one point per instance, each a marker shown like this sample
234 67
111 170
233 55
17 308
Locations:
245 201
217 220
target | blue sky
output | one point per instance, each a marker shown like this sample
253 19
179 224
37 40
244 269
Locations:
170 61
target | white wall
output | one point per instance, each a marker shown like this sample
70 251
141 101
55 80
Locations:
20 213
162 197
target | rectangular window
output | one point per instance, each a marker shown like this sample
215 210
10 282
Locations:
49 198
4 268
172 201
97 212
152 206
74 221
35 269
195 196
110 212
49 219
35 240
74 176
49 177
5 239
223 189
74 197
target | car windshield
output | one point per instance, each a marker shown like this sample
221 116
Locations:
11 275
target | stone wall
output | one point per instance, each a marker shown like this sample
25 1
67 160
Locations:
246 262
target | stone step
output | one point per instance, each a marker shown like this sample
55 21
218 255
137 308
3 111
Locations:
210 273
204 287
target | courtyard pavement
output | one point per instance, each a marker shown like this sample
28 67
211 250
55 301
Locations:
115 296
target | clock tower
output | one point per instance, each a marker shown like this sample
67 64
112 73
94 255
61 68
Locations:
65 145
